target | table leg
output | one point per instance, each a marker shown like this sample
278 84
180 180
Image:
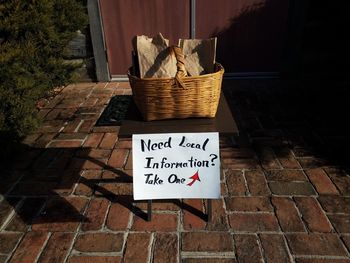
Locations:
149 210
209 210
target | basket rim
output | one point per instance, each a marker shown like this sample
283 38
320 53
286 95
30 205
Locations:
220 70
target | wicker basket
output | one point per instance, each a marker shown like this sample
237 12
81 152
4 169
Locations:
177 98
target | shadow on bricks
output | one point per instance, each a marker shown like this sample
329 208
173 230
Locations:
293 124
49 189
46 188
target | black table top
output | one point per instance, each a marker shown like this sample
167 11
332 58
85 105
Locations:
223 123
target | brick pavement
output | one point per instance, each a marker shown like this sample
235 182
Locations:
68 196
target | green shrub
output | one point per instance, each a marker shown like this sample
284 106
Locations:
33 37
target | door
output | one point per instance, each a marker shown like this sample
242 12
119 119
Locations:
251 33
124 19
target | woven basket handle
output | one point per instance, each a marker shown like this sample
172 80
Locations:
180 64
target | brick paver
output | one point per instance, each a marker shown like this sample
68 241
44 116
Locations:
68 196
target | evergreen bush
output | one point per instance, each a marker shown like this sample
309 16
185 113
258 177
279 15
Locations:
34 35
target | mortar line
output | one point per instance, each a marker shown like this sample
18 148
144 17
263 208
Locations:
151 247
261 248
43 247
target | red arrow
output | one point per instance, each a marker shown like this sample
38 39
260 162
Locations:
194 178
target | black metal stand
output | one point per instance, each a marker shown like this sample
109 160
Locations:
149 210
209 210
223 123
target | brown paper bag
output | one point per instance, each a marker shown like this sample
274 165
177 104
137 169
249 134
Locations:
199 55
154 57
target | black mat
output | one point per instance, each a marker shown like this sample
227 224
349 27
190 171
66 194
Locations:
115 111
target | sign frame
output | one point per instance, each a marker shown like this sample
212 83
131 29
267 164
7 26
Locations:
213 146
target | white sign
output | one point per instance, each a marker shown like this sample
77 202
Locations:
176 165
